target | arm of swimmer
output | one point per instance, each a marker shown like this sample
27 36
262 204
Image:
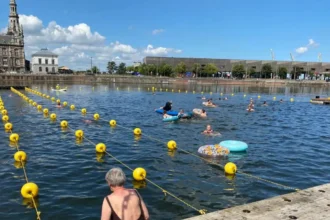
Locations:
145 210
106 210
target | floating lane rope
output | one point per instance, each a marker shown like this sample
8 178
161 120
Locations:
138 132
29 190
137 174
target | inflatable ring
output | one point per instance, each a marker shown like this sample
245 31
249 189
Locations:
100 148
20 156
79 134
171 118
213 150
8 126
139 174
29 190
234 146
14 137
209 105
172 113
198 112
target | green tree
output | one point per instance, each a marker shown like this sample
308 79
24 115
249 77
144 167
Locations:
143 69
238 71
95 69
252 72
211 68
196 68
266 70
121 68
111 67
181 68
312 74
282 72
152 69
165 70
130 68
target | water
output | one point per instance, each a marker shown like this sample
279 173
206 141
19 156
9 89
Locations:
289 143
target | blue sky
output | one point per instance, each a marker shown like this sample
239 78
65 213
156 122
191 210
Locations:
211 28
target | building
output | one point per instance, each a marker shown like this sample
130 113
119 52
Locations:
12 56
44 62
226 65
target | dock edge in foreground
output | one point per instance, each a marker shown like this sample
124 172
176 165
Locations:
309 204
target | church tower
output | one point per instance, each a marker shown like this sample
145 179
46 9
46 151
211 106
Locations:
14 28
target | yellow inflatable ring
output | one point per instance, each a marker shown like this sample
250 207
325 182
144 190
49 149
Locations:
139 174
100 148
29 190
20 156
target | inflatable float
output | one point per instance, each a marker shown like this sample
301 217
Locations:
172 118
213 134
198 112
59 90
234 146
209 105
213 151
186 115
172 113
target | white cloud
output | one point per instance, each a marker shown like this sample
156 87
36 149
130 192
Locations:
304 49
3 31
157 31
159 51
76 44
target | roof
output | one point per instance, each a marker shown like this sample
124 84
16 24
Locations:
6 39
64 68
44 53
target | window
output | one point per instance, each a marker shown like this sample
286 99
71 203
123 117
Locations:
39 60
53 61
53 70
40 69
16 53
5 61
327 70
17 62
46 61
46 69
312 69
4 51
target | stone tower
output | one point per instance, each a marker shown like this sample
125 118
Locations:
13 27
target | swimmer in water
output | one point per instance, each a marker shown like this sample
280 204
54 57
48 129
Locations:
165 115
265 103
9 95
250 108
208 130
58 105
226 98
181 113
281 100
203 114
88 121
203 98
167 107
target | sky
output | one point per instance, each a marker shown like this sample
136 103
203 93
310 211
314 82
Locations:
128 30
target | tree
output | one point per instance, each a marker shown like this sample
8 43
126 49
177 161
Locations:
312 74
122 68
266 70
238 71
181 68
165 69
95 69
252 72
152 69
111 67
282 72
211 68
130 68
196 68
143 69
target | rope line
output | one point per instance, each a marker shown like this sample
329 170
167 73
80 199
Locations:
201 211
25 175
197 156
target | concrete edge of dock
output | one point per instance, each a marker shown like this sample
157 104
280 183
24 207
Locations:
309 204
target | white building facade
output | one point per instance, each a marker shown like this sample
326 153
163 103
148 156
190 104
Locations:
44 62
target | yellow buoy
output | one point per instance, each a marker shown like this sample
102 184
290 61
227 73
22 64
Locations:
45 111
20 156
232 94
14 137
79 134
47 97
179 90
193 92
230 168
112 123
72 107
83 111
58 101
53 99
171 145
2 107
211 93
64 124
5 118
65 104
34 104
53 116
291 100
96 116
244 95
39 107
137 131
274 98
139 174
29 190
100 148
8 126
221 94
4 112
202 92
259 96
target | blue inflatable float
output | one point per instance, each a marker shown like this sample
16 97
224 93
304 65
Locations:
169 119
186 115
172 113
234 146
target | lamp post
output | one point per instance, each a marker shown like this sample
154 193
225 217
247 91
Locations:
92 64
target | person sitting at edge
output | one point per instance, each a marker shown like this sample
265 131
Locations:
126 204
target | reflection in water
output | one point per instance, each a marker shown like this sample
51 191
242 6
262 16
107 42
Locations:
139 184
29 203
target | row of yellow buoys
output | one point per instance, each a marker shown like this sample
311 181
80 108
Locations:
29 190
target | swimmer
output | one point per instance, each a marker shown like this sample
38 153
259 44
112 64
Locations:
181 113
88 121
165 115
203 98
208 130
250 108
226 98
203 114
265 103
281 100
9 95
167 107
58 105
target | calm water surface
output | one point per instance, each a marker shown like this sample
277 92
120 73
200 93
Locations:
288 142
